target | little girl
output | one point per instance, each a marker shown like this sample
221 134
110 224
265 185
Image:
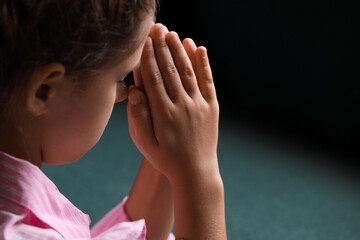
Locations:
62 65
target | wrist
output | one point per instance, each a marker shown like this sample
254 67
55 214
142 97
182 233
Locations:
192 181
198 171
199 206
150 186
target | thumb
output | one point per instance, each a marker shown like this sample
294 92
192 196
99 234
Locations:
139 119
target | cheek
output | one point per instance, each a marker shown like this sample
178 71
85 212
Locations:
78 128
101 112
91 126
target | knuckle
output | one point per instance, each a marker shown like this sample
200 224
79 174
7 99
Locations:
188 108
161 43
148 53
185 106
205 108
170 70
168 115
188 72
208 78
155 78
190 111
204 63
216 108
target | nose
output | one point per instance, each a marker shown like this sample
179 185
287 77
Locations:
121 94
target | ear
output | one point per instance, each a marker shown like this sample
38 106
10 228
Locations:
43 86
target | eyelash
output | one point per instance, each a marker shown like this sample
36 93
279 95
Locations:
122 83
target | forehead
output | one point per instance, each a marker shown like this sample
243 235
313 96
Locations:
129 62
133 60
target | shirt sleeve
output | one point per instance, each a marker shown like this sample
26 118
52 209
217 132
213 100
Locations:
114 226
27 227
117 223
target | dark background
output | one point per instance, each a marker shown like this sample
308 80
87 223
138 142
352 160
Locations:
292 67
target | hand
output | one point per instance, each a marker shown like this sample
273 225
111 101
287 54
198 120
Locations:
173 120
175 125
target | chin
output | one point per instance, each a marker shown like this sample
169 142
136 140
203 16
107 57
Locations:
61 158
71 151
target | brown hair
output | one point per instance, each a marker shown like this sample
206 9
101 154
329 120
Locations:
83 35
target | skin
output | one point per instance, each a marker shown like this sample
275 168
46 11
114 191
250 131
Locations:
176 129
62 123
173 120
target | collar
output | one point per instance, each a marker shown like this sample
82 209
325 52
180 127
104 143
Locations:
26 186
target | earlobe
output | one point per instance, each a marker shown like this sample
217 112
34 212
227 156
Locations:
43 86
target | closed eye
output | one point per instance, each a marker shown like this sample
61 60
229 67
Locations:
122 83
129 79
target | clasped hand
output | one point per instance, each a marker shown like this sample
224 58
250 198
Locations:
173 110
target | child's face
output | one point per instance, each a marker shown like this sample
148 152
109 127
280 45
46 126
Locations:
79 118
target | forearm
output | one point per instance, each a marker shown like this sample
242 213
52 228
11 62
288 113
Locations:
151 199
199 207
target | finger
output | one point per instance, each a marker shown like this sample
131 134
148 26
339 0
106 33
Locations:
190 48
138 80
152 79
139 118
166 30
137 72
204 75
183 64
166 63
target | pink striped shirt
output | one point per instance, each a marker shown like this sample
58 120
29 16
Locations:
31 207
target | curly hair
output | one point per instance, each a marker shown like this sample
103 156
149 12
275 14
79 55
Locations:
83 35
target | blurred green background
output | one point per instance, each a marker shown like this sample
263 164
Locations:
287 76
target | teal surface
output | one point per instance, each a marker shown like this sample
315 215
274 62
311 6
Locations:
275 188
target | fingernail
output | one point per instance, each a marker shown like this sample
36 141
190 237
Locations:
134 98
